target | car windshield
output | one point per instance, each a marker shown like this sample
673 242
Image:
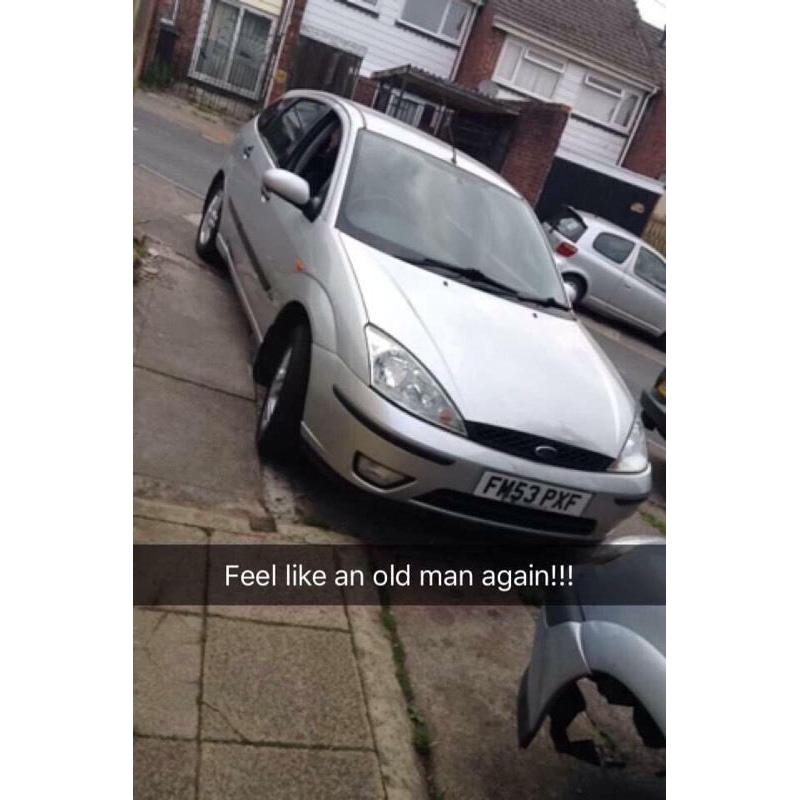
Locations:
422 209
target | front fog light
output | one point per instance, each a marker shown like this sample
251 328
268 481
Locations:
377 474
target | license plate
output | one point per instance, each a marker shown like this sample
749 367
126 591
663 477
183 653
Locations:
532 494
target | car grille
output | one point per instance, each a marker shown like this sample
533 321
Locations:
524 445
504 513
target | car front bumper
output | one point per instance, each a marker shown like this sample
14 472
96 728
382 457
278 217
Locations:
343 416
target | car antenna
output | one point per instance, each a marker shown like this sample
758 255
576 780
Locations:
449 125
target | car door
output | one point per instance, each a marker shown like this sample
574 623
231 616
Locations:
643 291
268 142
291 240
605 261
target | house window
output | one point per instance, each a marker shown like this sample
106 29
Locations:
443 18
530 70
607 101
232 48
410 109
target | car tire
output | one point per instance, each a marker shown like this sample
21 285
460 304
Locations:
578 285
206 239
281 410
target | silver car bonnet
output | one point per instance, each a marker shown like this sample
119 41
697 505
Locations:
502 363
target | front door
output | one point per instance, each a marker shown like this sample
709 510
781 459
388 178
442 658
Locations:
606 260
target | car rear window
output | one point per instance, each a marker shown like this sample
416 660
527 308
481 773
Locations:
612 246
568 224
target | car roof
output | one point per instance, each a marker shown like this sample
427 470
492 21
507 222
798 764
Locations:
367 118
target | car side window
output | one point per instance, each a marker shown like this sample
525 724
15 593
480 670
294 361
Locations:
652 269
316 163
613 247
269 114
284 130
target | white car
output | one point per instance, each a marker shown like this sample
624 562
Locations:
610 270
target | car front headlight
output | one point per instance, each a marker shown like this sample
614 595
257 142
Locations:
399 377
633 457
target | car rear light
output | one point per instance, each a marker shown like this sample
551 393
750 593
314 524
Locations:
566 249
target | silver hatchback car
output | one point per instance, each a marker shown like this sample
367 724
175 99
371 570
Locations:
610 270
413 329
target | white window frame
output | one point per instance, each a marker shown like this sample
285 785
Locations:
220 83
438 33
528 54
365 4
602 83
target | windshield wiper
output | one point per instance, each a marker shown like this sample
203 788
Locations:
470 273
476 276
545 302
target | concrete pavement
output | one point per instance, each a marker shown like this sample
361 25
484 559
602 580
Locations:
236 701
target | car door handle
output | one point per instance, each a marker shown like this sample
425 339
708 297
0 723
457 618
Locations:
246 152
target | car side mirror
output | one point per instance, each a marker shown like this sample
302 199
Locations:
572 295
287 185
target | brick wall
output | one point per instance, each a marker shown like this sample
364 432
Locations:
647 154
533 146
186 26
287 51
365 91
482 50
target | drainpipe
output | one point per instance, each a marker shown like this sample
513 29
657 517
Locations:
172 18
473 15
275 58
639 118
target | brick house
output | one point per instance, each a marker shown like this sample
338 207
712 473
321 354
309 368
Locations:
223 48
598 58
565 98
578 87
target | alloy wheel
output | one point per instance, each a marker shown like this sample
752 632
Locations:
275 389
211 218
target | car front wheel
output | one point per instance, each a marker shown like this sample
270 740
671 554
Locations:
281 411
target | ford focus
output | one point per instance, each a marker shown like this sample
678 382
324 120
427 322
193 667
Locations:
413 328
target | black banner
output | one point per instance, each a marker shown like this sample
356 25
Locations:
272 574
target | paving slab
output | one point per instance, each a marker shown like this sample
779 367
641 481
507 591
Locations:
465 665
318 616
272 683
164 769
194 329
166 672
203 506
190 434
245 772
160 211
